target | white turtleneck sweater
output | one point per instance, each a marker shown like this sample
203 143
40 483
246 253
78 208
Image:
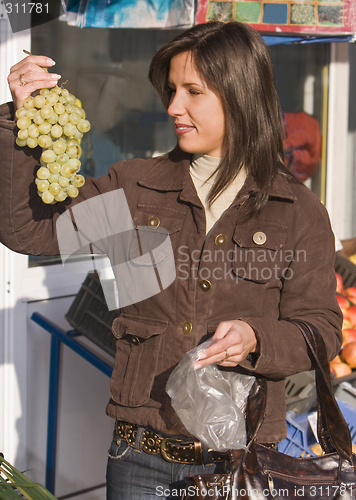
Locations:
201 168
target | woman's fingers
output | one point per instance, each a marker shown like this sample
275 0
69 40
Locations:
20 91
234 340
28 75
38 61
32 68
226 355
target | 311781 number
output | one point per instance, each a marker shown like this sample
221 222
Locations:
27 8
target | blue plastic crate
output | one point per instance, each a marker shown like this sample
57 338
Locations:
300 436
349 412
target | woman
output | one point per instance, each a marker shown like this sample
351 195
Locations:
253 248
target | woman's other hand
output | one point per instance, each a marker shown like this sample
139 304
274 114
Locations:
28 75
234 340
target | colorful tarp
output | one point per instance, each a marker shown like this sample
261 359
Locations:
284 16
131 13
281 20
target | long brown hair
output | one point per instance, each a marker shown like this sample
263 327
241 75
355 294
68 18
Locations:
234 62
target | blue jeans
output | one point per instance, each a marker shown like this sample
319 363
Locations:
133 474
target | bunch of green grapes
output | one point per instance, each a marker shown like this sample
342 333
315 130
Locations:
54 121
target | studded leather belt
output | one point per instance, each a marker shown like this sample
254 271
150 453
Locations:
187 451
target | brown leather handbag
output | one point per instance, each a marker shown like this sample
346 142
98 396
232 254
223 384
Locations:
261 473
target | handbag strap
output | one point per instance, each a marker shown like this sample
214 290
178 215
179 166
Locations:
333 431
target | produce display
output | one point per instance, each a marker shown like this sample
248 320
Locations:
345 362
56 122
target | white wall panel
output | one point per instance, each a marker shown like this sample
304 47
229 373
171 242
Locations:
12 310
339 175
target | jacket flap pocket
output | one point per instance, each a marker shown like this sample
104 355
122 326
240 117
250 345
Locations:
156 216
261 234
142 328
138 350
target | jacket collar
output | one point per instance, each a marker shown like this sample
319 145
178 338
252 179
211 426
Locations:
168 173
281 188
171 173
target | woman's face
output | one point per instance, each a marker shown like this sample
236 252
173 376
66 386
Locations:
196 110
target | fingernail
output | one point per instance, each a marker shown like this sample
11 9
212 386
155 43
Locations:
202 356
196 366
55 77
50 61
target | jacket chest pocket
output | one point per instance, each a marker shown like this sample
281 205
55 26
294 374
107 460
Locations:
137 353
260 254
157 229
155 218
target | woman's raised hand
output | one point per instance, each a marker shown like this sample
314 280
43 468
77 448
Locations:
29 75
234 340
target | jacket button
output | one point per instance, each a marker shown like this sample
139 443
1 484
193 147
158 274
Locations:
205 285
134 340
153 222
220 240
259 238
187 327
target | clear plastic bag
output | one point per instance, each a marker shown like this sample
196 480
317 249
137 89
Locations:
210 403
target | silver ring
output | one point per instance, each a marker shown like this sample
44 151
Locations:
22 81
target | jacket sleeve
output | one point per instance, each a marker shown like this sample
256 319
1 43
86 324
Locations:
27 225
308 294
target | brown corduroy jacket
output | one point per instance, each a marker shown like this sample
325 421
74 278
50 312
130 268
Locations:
275 267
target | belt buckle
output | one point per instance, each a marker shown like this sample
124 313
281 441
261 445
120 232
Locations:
163 451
